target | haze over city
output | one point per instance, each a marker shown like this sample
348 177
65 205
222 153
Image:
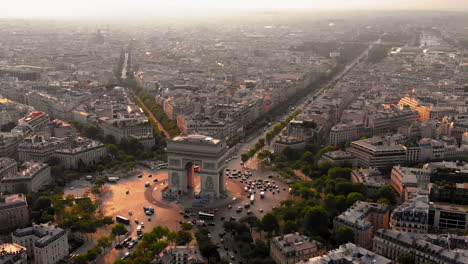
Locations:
234 132
115 8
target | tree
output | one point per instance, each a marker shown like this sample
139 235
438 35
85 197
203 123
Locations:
269 223
110 139
245 157
406 258
186 226
112 149
8 127
388 192
316 220
339 172
119 230
183 237
353 197
104 242
100 182
80 259
344 235
91 131
290 227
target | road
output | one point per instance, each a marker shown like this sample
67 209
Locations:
152 117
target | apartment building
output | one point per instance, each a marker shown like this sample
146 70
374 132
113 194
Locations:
179 255
288 141
39 147
393 243
31 177
412 215
340 157
45 243
404 177
375 153
372 178
11 253
14 212
363 218
82 152
348 253
344 132
36 121
8 166
294 248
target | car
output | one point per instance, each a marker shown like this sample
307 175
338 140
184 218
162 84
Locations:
127 192
147 184
149 219
260 210
142 225
118 246
151 175
148 212
221 240
249 212
130 213
270 176
211 224
126 255
222 218
232 218
229 206
136 221
140 175
181 212
232 256
140 236
186 216
155 180
130 245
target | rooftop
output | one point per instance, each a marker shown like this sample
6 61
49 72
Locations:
197 139
349 253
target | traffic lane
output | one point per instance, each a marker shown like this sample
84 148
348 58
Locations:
120 203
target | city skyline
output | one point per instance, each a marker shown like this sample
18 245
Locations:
116 8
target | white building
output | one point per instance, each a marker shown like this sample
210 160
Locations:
45 243
8 166
11 253
403 177
83 151
14 212
32 178
35 121
348 253
179 255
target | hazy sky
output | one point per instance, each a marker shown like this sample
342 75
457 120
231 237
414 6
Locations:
60 8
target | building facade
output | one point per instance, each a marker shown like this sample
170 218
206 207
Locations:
32 178
294 248
392 244
179 255
363 218
45 243
14 212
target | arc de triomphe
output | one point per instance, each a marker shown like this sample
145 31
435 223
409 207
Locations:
208 153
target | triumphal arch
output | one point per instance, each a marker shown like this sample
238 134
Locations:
197 153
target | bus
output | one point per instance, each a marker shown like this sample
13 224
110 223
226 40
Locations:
122 220
252 199
204 215
162 166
